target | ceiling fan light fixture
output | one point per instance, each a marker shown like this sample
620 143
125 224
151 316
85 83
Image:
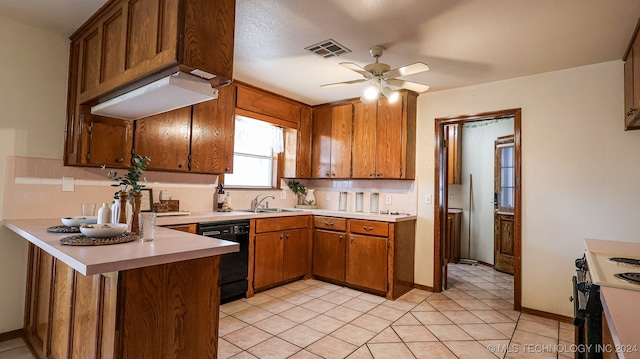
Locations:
371 92
392 96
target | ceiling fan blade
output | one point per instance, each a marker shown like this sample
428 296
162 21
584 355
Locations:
357 68
407 70
343 83
413 86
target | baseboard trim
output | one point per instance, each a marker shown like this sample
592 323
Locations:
423 287
540 313
11 335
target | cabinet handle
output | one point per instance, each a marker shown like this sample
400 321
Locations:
341 238
180 165
328 223
120 160
328 174
351 239
227 169
379 174
631 111
287 235
370 174
366 228
281 236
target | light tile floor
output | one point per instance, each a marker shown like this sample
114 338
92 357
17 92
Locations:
314 319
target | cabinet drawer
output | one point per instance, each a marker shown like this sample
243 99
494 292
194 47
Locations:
281 223
371 228
330 223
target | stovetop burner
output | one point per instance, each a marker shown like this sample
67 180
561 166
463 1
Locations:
629 277
625 261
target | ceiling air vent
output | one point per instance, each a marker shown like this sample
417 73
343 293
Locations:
327 48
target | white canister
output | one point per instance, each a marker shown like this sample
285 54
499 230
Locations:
359 201
342 204
104 214
374 203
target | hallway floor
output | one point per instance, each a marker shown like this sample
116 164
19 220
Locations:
314 319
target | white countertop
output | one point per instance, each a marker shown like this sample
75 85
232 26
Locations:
168 246
198 217
620 305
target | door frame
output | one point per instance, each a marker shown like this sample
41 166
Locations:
440 197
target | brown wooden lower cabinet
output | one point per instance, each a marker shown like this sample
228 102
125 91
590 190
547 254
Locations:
281 251
368 255
162 311
452 241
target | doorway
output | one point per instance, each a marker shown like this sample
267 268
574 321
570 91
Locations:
441 199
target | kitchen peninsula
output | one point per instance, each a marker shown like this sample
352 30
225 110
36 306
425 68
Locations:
155 299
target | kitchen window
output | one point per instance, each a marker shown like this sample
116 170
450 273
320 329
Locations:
255 157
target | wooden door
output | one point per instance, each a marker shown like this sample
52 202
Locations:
504 183
321 143
268 259
329 255
212 133
341 126
367 262
110 141
389 154
165 139
453 144
295 253
364 140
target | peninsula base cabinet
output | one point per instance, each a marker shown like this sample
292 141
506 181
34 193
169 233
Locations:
162 311
373 256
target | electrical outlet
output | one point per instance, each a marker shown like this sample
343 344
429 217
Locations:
68 184
427 199
388 200
283 194
327 196
450 198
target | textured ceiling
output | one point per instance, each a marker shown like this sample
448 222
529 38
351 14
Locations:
464 42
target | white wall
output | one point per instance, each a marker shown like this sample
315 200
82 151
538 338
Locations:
579 170
33 69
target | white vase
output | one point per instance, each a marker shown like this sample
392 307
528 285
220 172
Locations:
310 198
115 213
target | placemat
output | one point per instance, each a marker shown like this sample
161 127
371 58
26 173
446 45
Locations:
63 229
81 240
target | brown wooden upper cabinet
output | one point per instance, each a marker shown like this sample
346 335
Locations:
632 84
331 141
129 43
384 138
196 138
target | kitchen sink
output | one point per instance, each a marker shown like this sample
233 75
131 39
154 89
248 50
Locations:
270 210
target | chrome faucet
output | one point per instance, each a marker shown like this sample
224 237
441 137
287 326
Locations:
257 203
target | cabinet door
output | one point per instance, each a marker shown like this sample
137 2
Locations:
268 259
212 133
364 140
341 128
296 249
321 143
303 155
329 256
389 149
367 262
39 279
110 141
165 139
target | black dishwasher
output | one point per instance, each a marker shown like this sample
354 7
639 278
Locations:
234 267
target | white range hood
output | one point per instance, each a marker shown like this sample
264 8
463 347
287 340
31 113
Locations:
169 93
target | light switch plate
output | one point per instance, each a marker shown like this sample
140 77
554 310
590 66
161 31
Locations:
388 201
68 184
427 199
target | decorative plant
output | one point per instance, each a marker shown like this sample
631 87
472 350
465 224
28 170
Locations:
132 177
298 189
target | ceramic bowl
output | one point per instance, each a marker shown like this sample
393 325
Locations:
77 221
103 230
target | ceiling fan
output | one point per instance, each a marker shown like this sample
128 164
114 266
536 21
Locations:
381 76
